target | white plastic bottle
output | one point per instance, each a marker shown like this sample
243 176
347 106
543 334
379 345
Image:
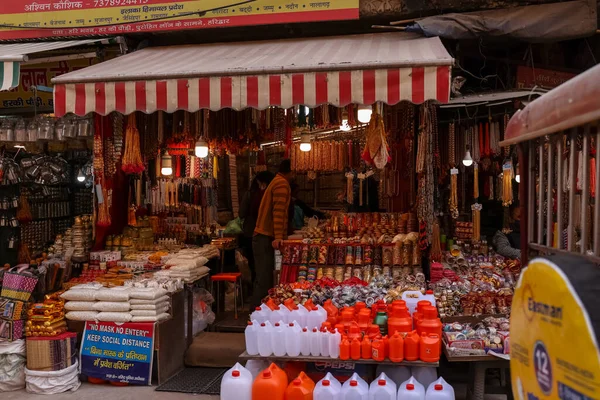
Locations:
278 339
354 391
325 342
260 315
286 314
334 344
361 382
256 367
277 315
305 336
251 336
321 315
327 388
439 390
315 343
382 388
292 339
397 373
425 375
237 384
429 296
299 314
265 348
411 389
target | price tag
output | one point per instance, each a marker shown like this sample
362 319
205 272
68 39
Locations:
454 171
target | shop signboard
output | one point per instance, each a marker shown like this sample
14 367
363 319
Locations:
118 352
25 19
528 78
23 96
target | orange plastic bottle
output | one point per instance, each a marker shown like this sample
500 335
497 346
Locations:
268 386
396 344
271 304
411 346
373 331
358 307
418 314
355 349
396 303
309 305
366 351
430 322
332 311
347 318
364 319
301 388
290 304
341 329
326 325
430 347
345 348
378 349
278 373
354 332
400 320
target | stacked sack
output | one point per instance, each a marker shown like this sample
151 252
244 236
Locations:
12 365
92 302
187 265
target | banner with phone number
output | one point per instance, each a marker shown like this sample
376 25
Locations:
118 352
21 19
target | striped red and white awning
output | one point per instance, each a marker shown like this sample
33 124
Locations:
215 78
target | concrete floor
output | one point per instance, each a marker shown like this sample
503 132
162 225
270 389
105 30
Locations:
96 392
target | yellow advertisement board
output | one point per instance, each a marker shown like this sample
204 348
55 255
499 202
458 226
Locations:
21 19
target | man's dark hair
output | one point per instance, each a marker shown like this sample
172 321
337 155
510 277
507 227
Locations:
285 167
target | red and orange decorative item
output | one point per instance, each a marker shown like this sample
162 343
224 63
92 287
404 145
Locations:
132 162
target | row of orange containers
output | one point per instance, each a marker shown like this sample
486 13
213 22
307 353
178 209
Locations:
272 383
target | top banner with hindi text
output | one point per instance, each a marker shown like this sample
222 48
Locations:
23 19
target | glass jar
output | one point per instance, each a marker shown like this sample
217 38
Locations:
20 131
46 129
32 131
70 128
84 128
6 130
59 130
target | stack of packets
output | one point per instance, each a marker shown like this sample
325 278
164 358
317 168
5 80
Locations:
46 318
12 315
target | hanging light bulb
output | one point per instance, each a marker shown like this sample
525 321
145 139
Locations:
345 127
305 142
364 114
518 175
201 148
80 176
166 164
468 160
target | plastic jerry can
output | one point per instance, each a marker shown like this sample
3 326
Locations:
363 319
278 373
327 388
299 314
399 320
373 331
237 384
354 332
256 367
439 390
425 375
345 349
430 296
269 304
324 336
269 386
396 348
305 337
332 311
412 298
430 322
411 389
412 346
301 388
315 343
382 388
355 349
292 339
265 348
366 351
279 315
354 391
335 339
251 336
429 348
261 314
397 373
378 349
278 339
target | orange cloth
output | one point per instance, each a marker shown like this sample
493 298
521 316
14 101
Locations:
272 217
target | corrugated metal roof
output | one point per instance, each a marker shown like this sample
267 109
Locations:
19 51
371 51
492 97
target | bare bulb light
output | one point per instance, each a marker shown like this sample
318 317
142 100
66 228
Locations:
166 165
201 148
468 160
364 114
305 144
80 176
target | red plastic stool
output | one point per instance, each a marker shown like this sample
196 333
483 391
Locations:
236 279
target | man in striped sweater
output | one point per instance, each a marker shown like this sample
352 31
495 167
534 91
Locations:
271 229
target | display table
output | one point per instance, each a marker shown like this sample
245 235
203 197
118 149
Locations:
478 365
245 356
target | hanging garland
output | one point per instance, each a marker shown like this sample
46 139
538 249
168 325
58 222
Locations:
453 204
132 158
476 210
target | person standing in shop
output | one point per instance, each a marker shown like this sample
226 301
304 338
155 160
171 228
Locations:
271 229
249 213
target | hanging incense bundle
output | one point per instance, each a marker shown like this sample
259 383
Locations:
454 193
507 177
24 211
452 143
475 181
132 157
104 209
350 188
476 210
